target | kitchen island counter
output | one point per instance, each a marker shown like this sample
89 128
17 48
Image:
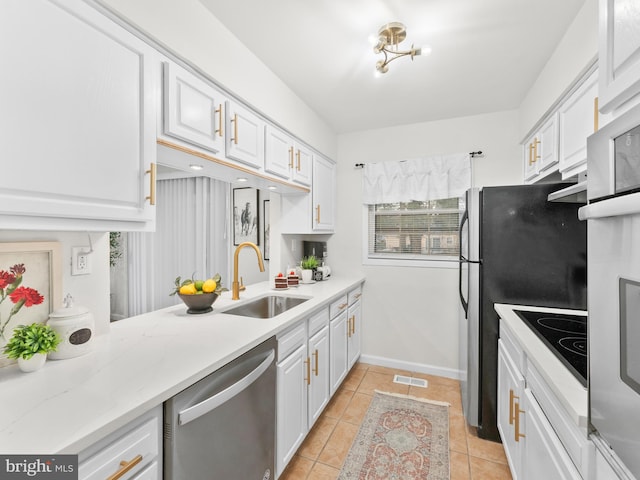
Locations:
144 360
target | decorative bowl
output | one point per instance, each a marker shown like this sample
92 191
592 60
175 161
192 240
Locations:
200 302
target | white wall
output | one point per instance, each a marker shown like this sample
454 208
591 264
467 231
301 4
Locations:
411 313
90 291
187 28
575 52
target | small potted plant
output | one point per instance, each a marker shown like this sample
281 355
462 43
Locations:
30 345
308 265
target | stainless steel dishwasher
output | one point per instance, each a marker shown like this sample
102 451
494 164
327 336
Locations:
223 427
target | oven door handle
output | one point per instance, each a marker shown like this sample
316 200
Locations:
611 207
199 409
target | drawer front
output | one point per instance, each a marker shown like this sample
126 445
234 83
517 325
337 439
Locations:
137 448
317 321
512 347
291 341
571 436
338 306
354 295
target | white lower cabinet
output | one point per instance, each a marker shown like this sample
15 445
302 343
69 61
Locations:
510 389
134 452
291 399
312 362
354 326
339 327
532 446
319 383
544 455
302 383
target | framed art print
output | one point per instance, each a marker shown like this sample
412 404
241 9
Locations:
245 216
30 283
266 227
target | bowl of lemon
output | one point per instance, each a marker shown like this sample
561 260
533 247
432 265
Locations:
199 295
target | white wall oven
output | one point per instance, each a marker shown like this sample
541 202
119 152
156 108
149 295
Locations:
613 252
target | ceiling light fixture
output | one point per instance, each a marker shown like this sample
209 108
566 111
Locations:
389 36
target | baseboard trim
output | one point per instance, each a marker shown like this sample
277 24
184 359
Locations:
411 366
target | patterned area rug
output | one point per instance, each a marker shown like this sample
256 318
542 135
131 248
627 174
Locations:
400 438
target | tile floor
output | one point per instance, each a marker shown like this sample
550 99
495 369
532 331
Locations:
325 448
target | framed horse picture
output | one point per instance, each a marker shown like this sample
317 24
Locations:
245 216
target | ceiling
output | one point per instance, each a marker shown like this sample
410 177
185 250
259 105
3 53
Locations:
486 54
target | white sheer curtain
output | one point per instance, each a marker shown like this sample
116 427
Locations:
191 238
420 179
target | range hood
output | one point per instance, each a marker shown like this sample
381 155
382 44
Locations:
575 193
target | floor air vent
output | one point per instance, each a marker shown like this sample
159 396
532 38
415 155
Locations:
414 382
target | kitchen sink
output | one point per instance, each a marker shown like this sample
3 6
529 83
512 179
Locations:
266 307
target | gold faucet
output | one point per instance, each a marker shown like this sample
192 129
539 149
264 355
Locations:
235 286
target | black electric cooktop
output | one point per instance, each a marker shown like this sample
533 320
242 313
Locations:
565 335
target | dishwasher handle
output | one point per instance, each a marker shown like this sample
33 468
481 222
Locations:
199 409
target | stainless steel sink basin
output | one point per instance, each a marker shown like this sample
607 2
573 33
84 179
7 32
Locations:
266 307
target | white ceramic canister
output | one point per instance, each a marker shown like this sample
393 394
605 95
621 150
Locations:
75 326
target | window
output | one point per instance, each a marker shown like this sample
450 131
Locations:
417 230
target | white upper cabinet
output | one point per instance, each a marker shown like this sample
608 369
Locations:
193 109
78 128
280 152
540 152
578 117
619 52
324 193
302 170
287 158
245 135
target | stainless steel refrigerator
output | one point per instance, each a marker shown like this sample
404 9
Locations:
517 248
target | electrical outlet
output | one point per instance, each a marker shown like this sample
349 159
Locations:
80 260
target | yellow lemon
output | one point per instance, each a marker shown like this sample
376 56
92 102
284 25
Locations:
209 286
189 289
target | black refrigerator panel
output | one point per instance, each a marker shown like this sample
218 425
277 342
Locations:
533 252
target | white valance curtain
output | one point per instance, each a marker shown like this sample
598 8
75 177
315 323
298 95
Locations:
419 179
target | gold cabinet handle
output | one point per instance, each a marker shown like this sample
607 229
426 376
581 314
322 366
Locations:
342 306
512 397
234 120
318 213
308 364
125 467
298 161
516 430
219 112
530 154
315 369
595 114
152 184
291 158
353 325
536 157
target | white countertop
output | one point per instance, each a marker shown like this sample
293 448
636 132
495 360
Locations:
565 386
70 404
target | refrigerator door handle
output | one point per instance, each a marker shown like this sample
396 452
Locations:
462 259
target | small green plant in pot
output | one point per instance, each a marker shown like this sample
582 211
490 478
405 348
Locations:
308 265
30 345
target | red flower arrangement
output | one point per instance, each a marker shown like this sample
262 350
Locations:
20 296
